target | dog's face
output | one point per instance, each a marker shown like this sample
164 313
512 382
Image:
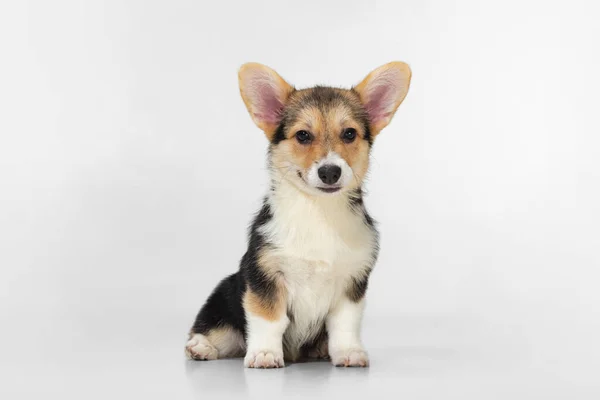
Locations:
321 137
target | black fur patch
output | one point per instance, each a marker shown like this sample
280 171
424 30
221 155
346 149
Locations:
365 121
279 134
358 206
254 276
315 342
358 288
322 97
224 306
368 137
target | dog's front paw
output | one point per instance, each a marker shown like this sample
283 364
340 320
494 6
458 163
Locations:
264 359
352 357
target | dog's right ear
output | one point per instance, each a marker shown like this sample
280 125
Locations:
265 94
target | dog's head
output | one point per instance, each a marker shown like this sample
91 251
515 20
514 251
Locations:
321 137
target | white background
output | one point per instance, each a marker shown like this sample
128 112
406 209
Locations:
129 170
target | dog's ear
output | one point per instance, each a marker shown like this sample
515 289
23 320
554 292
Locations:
382 91
265 94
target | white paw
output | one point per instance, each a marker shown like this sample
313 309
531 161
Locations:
353 357
264 359
198 349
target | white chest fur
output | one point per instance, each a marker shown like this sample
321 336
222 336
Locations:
322 244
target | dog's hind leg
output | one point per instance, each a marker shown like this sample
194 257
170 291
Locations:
222 342
218 329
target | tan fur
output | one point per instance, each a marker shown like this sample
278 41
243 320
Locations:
270 264
229 342
265 308
270 309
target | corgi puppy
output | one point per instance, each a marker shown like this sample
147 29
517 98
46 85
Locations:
300 288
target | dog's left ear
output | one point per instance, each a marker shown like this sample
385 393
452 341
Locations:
265 94
382 91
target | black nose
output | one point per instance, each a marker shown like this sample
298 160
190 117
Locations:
329 174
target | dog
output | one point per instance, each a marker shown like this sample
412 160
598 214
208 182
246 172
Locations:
300 289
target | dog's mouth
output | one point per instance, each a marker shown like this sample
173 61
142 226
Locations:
329 189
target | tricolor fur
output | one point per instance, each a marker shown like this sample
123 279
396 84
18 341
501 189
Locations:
300 288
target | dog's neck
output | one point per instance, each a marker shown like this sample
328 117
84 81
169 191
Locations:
315 226
285 194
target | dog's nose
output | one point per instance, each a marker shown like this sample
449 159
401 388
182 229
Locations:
329 174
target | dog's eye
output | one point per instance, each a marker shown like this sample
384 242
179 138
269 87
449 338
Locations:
349 135
303 137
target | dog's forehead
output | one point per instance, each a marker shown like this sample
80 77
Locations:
327 101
